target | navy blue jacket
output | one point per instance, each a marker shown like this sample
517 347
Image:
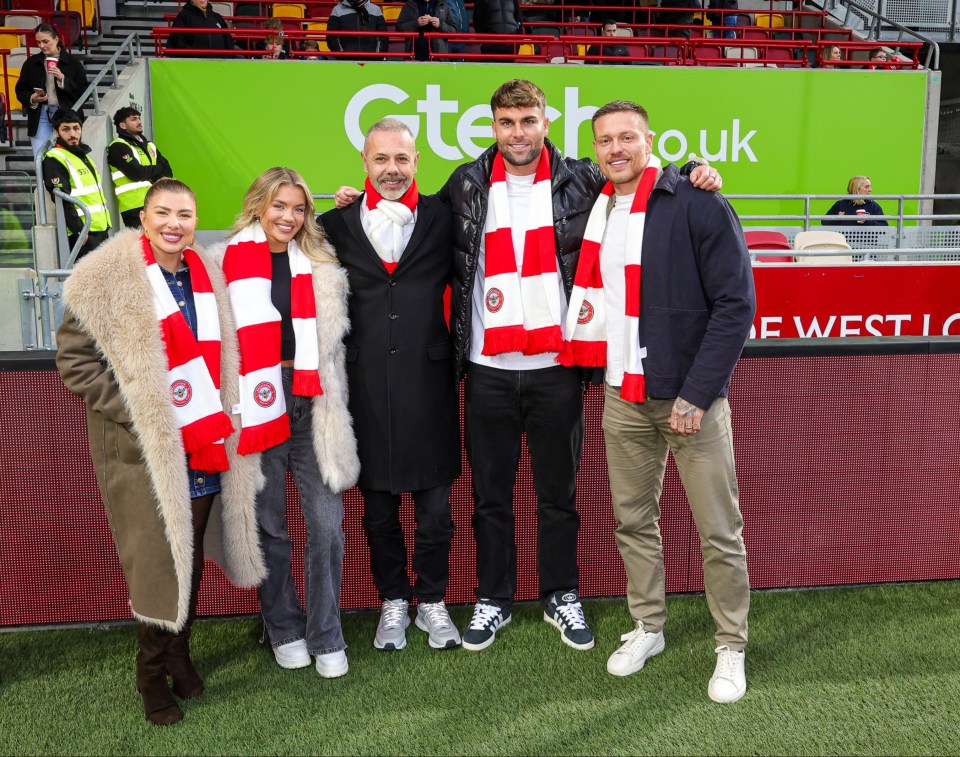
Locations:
871 208
697 299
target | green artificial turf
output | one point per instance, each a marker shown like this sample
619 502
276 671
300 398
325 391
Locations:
849 671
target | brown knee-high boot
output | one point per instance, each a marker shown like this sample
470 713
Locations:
186 681
158 703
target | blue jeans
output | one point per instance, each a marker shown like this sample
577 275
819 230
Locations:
283 616
44 129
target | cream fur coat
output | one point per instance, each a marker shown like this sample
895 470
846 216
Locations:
111 354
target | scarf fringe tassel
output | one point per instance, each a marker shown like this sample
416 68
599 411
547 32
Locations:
547 339
306 383
258 438
504 339
210 459
591 354
205 431
634 388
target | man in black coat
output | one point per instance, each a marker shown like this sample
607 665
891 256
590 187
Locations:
395 245
196 14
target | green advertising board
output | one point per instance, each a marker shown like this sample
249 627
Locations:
770 131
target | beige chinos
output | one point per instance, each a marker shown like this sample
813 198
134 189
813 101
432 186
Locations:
637 437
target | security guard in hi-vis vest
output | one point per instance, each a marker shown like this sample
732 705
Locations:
135 163
67 166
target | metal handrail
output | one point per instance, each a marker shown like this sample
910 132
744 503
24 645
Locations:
131 41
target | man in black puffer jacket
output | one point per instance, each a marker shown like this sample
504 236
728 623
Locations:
501 213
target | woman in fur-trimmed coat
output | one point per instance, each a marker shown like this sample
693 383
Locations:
289 298
118 349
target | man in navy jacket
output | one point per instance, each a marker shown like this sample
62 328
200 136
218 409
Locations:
669 359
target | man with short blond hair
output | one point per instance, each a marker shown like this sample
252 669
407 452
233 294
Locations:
663 300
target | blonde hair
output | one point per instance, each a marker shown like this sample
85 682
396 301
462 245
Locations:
853 188
310 238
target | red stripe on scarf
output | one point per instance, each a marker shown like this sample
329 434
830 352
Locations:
302 302
410 198
250 261
496 263
634 388
632 274
259 346
307 383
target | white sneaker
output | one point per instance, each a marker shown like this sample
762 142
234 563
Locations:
332 664
292 655
392 629
640 646
729 681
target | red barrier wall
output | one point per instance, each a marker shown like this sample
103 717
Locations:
847 466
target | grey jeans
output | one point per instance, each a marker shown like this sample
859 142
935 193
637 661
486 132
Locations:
283 615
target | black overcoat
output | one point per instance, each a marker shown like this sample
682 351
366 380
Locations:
403 394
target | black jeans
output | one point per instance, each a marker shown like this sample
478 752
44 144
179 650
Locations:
431 543
501 406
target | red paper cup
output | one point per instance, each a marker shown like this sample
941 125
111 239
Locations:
861 212
52 64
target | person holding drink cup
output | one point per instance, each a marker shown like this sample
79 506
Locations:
50 80
861 207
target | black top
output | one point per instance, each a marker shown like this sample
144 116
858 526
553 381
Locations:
280 295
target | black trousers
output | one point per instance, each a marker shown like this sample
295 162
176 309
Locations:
501 406
94 240
431 543
131 218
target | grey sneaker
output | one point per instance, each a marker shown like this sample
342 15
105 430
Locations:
392 629
433 618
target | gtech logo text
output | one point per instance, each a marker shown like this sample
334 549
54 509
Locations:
473 133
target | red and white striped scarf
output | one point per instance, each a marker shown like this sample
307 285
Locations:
193 363
247 267
521 309
385 220
585 332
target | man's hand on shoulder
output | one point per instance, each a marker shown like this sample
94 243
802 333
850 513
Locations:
345 197
706 178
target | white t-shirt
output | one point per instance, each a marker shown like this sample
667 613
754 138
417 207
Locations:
519 192
612 256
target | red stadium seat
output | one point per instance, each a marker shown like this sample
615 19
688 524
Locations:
768 240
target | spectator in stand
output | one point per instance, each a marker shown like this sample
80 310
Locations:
311 45
67 166
877 55
273 44
724 19
831 54
497 17
462 21
862 208
426 16
135 164
49 80
356 16
675 17
196 15
609 29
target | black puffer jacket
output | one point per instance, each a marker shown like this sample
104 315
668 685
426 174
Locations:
497 16
576 184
